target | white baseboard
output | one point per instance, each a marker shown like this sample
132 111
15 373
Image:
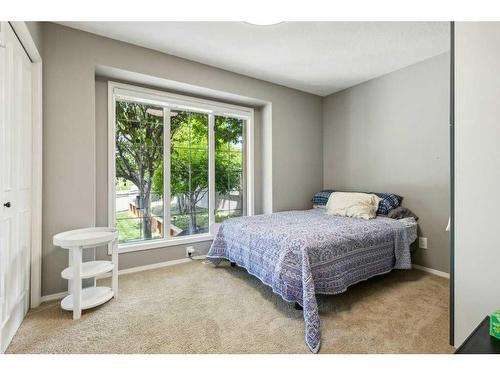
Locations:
431 270
148 267
56 296
52 297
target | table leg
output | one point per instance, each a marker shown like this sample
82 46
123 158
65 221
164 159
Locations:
76 254
94 279
114 275
70 264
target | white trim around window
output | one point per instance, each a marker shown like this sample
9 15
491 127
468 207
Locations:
170 101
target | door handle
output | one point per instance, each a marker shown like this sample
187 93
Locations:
6 204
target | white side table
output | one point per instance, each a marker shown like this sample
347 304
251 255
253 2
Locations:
75 241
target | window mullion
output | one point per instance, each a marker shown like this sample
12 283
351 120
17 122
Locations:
248 163
211 172
166 172
244 169
111 162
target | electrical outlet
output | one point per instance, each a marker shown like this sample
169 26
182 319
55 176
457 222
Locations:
190 251
422 242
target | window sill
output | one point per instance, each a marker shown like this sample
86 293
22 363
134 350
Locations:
155 244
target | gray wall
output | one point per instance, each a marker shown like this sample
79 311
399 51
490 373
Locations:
391 134
477 174
70 176
35 29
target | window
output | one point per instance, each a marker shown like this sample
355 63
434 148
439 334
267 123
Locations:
178 166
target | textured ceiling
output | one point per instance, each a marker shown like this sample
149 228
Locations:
316 57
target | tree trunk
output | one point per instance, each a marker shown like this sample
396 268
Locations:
192 216
181 199
146 214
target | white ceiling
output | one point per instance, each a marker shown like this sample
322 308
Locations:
316 57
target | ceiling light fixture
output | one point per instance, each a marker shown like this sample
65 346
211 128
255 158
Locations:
263 22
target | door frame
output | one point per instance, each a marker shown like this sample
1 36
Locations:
452 187
24 36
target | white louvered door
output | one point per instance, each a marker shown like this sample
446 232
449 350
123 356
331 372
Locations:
15 184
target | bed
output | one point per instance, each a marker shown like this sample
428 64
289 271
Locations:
303 253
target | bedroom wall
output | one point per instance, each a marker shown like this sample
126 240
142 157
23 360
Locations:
477 175
391 134
35 29
70 165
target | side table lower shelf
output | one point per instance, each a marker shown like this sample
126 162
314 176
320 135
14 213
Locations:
91 297
89 269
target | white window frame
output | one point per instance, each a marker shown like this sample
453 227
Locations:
169 101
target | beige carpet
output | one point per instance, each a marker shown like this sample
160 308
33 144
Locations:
197 308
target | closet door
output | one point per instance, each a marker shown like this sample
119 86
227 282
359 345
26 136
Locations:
15 185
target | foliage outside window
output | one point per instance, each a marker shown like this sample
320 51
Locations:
141 204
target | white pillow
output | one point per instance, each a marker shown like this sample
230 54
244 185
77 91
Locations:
359 205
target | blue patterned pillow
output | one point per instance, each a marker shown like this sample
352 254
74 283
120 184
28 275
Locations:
321 198
388 201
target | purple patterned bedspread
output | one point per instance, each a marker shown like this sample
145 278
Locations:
304 253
